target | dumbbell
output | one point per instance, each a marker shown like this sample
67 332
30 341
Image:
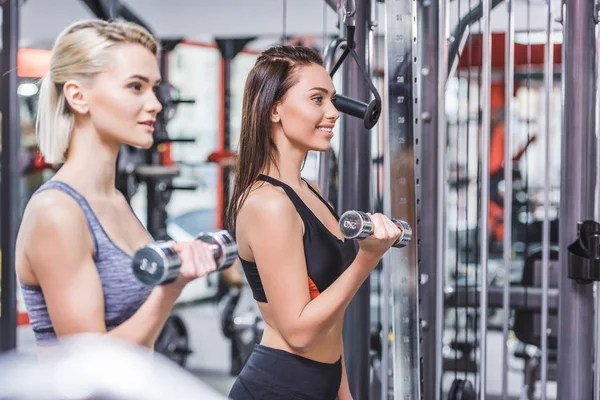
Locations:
158 263
358 225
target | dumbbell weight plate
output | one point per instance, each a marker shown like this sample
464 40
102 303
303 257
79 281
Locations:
156 263
356 225
406 233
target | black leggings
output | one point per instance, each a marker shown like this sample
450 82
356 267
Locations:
271 374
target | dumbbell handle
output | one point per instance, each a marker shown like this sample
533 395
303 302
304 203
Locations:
176 260
358 225
223 247
216 250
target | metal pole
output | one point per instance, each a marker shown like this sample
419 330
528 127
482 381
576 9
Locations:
485 187
229 49
354 193
333 4
386 295
436 145
508 188
386 279
575 335
227 55
431 31
11 131
548 83
596 217
402 191
324 159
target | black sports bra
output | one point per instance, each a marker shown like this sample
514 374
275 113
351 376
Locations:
326 255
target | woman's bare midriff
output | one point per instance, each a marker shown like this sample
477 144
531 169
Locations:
327 350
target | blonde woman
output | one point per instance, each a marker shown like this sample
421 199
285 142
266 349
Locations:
78 234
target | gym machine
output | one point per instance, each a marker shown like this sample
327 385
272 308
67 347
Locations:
229 49
414 74
369 112
554 278
402 195
356 25
10 187
577 203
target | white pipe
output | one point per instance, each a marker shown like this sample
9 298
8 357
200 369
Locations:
548 83
485 187
441 200
508 189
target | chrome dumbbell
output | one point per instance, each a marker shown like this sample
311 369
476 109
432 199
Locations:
158 263
357 225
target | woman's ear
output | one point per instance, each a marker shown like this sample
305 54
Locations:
275 117
74 95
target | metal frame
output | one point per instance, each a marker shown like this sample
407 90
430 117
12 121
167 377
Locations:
402 190
521 298
576 309
112 9
441 232
485 189
432 38
597 217
10 185
508 171
548 82
229 49
354 193
462 28
324 159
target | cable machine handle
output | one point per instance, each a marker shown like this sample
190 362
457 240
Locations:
371 112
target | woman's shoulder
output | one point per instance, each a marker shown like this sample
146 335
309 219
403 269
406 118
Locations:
52 206
265 206
266 199
52 224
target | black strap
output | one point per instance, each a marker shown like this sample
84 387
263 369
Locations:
298 202
301 207
322 199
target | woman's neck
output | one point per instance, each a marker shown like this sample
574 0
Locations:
90 164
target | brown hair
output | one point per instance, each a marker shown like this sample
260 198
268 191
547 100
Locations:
269 80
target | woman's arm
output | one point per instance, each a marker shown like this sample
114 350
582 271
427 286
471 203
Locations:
59 249
274 231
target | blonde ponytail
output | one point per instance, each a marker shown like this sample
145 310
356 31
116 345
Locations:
54 122
79 53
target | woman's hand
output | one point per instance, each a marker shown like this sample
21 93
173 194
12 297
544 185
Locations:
385 234
197 260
